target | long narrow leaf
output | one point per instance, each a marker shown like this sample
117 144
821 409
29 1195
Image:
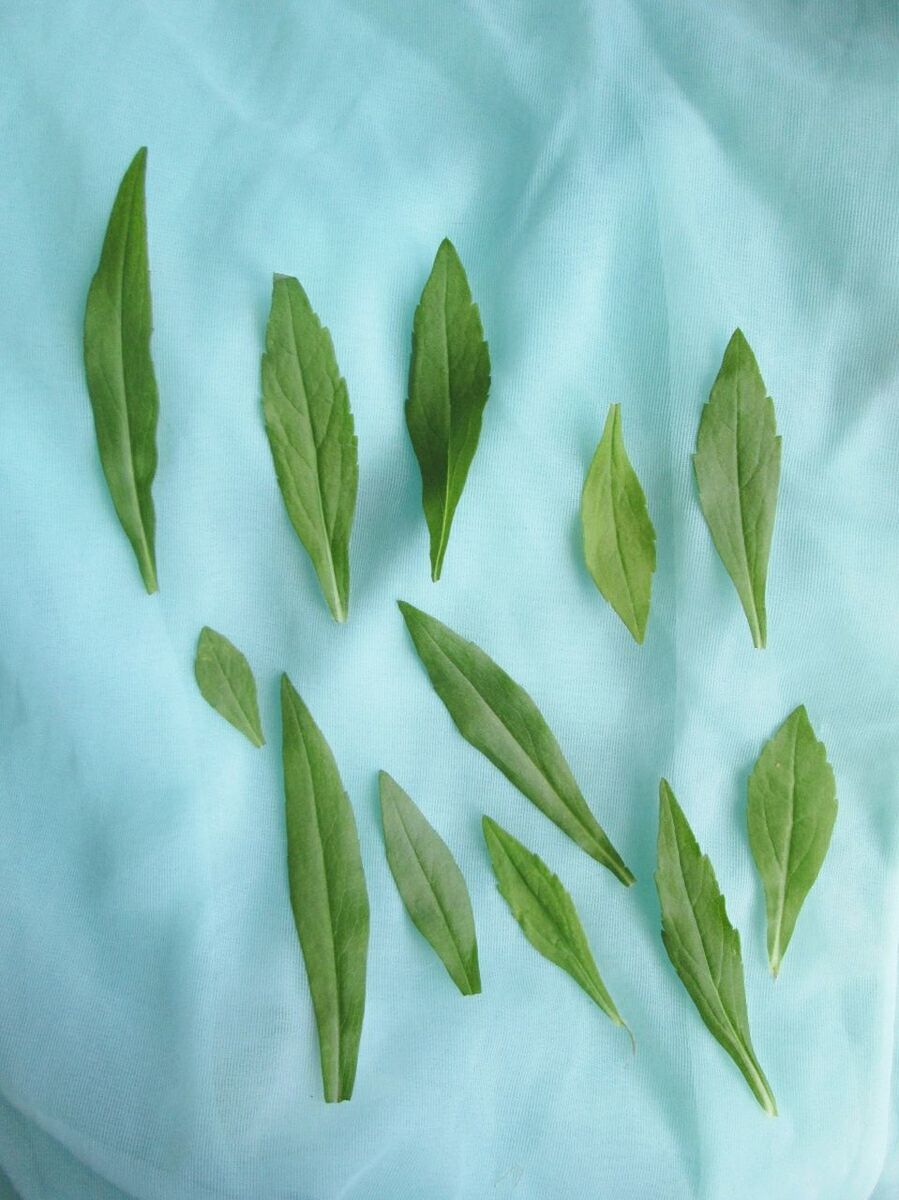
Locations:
120 380
310 431
327 892
449 379
702 944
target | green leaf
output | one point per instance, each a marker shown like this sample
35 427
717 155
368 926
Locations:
431 885
500 719
120 381
619 539
737 464
449 379
701 942
327 892
546 913
227 683
310 431
792 810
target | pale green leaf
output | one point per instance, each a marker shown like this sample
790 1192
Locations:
701 942
546 913
327 892
792 809
227 683
499 718
431 885
120 380
449 379
737 464
619 538
310 431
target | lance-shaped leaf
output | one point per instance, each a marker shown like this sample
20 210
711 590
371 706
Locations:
701 942
500 719
431 885
310 431
792 809
227 683
546 913
120 380
619 538
449 379
737 464
327 892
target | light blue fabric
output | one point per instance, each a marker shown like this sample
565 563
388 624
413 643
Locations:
626 182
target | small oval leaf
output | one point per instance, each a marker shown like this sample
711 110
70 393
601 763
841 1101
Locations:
431 885
499 718
701 942
310 432
737 464
227 683
118 322
327 892
546 913
619 538
449 379
792 809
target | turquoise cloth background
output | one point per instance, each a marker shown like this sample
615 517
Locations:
626 182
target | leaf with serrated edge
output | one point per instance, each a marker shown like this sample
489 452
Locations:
701 942
792 809
327 892
430 884
546 913
227 683
499 718
118 322
449 379
310 432
619 538
737 464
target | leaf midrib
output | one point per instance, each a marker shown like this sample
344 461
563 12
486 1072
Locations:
535 763
754 622
339 611
123 381
735 1034
331 937
614 508
784 872
444 524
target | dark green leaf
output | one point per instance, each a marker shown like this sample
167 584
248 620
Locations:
501 720
120 380
737 463
327 892
310 431
619 539
449 380
431 885
546 913
792 809
701 942
227 683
